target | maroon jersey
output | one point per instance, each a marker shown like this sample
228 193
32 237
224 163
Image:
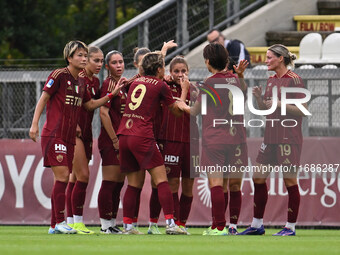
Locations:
223 109
116 108
63 107
277 134
176 129
144 97
86 117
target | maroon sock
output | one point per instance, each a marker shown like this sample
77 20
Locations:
116 198
69 190
166 200
185 207
260 200
105 200
154 206
218 205
129 203
53 221
78 198
293 203
225 201
135 217
235 206
59 200
176 206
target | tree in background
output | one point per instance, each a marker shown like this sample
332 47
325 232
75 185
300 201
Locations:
36 29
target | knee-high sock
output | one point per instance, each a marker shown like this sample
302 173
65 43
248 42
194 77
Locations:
293 203
105 200
185 207
78 197
116 198
135 217
226 198
260 200
69 191
217 202
59 200
129 203
166 199
235 206
176 206
53 220
154 206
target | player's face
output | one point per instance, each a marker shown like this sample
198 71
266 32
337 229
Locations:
116 65
272 61
178 71
79 59
95 62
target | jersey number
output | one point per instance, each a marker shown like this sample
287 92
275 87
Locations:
136 101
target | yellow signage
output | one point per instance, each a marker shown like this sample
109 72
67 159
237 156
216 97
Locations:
318 22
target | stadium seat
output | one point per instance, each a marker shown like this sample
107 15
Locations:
331 49
306 67
336 113
319 109
310 48
329 67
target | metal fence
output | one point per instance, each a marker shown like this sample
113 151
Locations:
185 21
21 89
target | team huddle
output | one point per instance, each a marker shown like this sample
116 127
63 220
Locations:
149 117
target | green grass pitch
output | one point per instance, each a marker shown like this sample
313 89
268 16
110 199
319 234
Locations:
35 240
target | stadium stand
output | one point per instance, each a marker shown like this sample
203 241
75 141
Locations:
331 49
310 48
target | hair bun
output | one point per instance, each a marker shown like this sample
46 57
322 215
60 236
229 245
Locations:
292 56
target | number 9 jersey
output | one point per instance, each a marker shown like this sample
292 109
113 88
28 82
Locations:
143 100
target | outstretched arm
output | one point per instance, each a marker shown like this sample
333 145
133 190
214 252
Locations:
93 104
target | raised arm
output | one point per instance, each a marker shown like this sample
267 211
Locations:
93 104
240 70
166 46
257 92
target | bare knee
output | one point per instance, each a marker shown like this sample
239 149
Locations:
174 184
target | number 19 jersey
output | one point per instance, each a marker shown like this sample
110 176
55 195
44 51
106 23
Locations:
143 100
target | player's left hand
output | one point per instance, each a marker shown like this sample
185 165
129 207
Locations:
184 82
241 67
119 86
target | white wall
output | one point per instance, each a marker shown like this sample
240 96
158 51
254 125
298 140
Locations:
277 15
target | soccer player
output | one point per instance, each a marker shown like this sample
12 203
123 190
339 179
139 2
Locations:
232 184
108 144
138 147
64 93
76 188
222 145
174 142
282 145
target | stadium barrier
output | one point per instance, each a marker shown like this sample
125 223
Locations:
25 187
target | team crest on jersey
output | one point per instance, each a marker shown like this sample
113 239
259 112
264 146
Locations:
69 83
50 83
60 158
76 88
93 92
168 170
